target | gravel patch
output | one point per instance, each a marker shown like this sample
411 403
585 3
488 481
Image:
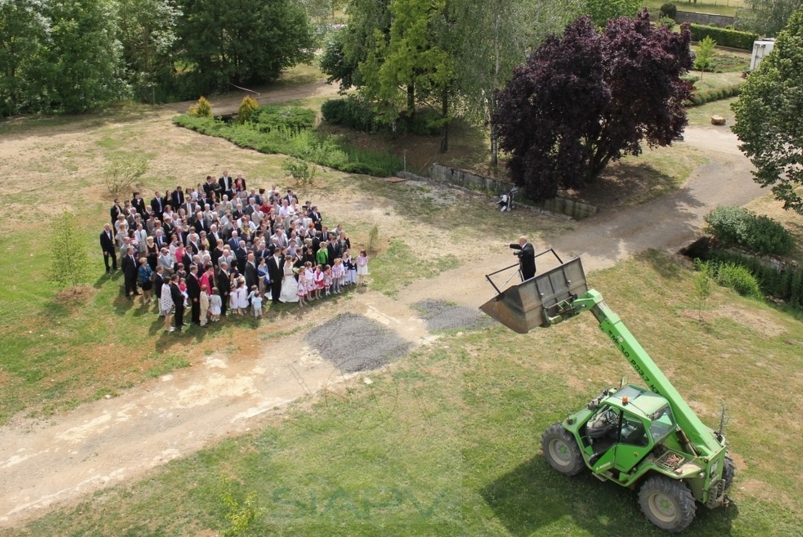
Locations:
355 343
440 315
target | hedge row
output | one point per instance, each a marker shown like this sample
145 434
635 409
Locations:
326 150
724 37
706 96
355 113
785 283
737 226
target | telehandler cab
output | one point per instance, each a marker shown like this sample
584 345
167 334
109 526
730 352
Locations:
646 438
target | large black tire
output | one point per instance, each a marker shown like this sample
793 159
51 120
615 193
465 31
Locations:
728 472
667 503
561 451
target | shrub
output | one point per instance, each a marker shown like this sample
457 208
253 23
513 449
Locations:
203 108
351 112
268 118
739 279
300 170
724 37
669 11
123 172
667 22
246 110
739 226
705 53
326 150
707 96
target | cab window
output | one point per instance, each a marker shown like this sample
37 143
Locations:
663 423
633 432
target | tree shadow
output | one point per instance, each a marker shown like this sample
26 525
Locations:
533 496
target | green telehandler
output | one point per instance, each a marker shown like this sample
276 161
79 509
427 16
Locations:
642 438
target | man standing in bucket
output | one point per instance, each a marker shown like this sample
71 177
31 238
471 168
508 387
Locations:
526 255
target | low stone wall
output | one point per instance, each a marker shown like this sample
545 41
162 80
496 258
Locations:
444 174
708 19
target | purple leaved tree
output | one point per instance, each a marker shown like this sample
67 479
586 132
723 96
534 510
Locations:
587 98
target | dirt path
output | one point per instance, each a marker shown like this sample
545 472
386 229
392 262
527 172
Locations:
114 440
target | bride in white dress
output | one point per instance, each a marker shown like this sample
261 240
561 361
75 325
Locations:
289 284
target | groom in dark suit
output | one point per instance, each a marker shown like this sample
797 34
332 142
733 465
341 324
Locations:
526 255
276 273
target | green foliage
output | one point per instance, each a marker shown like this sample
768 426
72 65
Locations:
669 11
239 515
767 17
203 108
23 33
249 42
702 284
769 117
246 109
69 263
123 172
601 11
706 96
373 240
355 113
326 150
335 63
737 278
667 22
300 170
740 226
705 54
776 280
270 117
724 37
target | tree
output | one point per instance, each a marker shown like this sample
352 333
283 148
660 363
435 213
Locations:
412 64
767 17
23 31
243 41
491 38
147 31
589 98
705 55
70 262
769 117
601 11
123 172
82 58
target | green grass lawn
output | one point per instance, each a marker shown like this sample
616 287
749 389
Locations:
446 442
701 115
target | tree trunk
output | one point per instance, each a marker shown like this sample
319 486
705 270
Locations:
444 115
494 138
410 100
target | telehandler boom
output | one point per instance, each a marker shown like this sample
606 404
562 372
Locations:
648 439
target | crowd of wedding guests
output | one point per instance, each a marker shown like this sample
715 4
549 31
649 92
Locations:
223 249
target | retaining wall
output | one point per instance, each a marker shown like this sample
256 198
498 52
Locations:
444 174
707 19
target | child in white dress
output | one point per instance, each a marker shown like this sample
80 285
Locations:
215 305
362 267
302 288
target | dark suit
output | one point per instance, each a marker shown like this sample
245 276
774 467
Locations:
114 212
251 276
242 256
130 268
276 273
158 280
176 199
526 255
224 288
226 185
107 245
194 294
178 302
139 205
158 206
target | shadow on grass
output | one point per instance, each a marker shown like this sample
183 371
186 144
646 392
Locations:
534 496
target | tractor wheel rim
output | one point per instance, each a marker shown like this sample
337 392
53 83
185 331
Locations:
663 507
560 452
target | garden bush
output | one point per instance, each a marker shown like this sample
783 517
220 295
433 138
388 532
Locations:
351 112
669 11
739 279
247 108
724 37
739 226
667 22
326 150
203 108
269 117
